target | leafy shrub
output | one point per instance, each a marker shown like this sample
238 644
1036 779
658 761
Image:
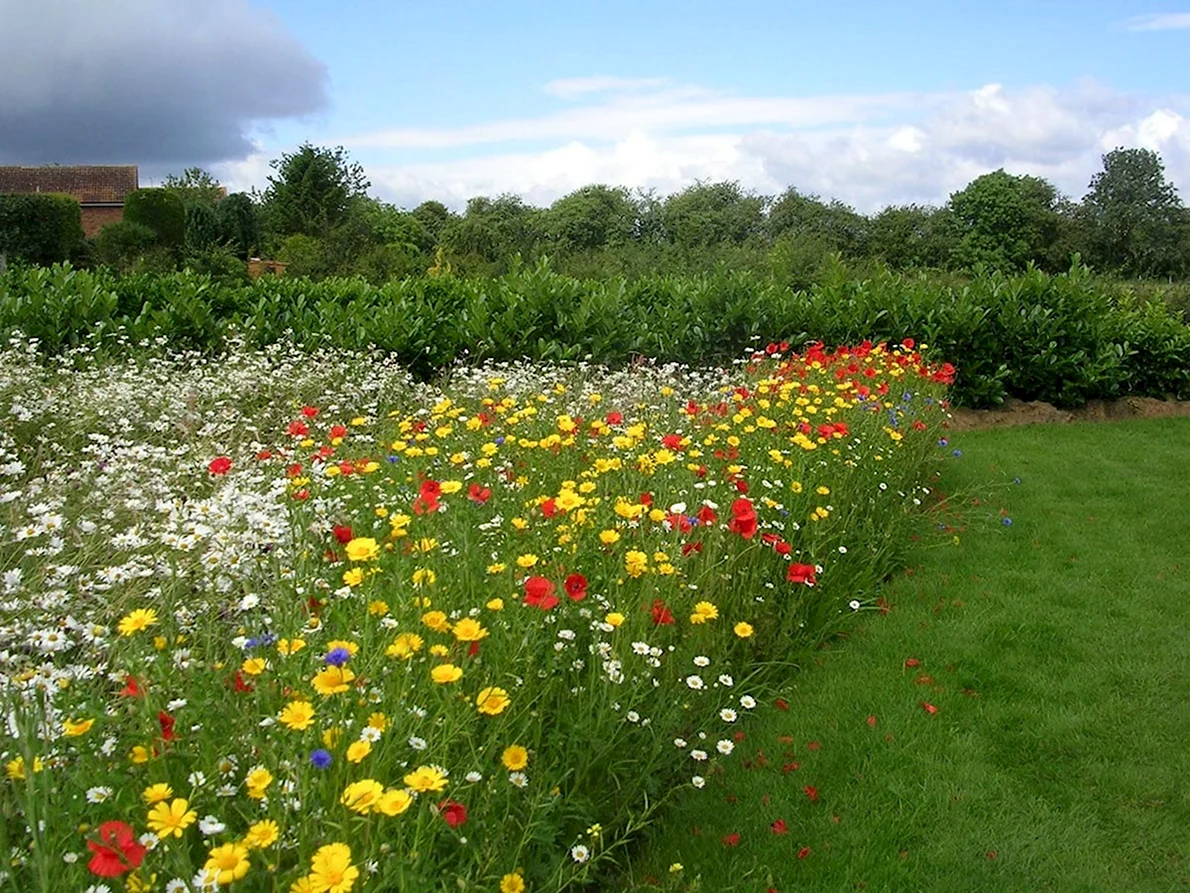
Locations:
40 228
120 243
161 211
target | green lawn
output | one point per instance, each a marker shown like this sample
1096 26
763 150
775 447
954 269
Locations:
1056 651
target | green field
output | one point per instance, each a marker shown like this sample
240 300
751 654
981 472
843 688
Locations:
1054 650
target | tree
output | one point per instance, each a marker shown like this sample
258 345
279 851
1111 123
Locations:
40 228
433 216
121 243
1136 221
162 212
1004 221
835 224
492 232
592 217
312 190
908 236
711 214
239 224
195 186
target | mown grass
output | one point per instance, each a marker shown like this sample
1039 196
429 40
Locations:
1056 654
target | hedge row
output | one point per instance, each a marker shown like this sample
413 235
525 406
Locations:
40 228
1065 338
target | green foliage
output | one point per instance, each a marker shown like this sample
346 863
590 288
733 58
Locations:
591 218
195 186
1004 222
911 236
120 243
202 227
491 234
162 212
712 213
834 225
1137 223
1063 338
239 224
40 228
312 191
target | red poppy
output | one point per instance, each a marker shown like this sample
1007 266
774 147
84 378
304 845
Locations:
811 792
929 708
539 593
294 470
781 704
741 485
803 852
219 465
672 442
132 688
912 662
427 497
310 411
549 508
732 839
301 495
679 523
116 851
872 721
743 520
343 533
646 499
338 431
687 548
264 454
167 725
614 418
453 812
298 429
240 684
801 574
661 614
479 495
576 587
707 515
779 827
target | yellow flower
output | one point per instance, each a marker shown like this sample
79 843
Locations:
469 630
743 630
139 754
635 563
497 568
393 801
404 646
492 701
436 620
350 647
527 560
361 796
331 870
155 793
704 611
15 769
444 674
424 577
378 721
449 487
614 618
257 782
137 620
171 819
330 737
425 778
254 666
303 885
358 750
72 728
512 883
353 577
378 608
262 834
227 863
297 715
363 548
495 604
515 757
332 680
286 647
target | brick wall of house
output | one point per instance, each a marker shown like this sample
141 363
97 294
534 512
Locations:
95 218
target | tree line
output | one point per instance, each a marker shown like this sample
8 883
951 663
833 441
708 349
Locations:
316 216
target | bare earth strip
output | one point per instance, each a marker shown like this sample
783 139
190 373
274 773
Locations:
1018 412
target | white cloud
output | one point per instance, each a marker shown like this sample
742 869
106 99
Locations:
1166 21
571 88
867 150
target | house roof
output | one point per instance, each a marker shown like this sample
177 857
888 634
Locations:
90 184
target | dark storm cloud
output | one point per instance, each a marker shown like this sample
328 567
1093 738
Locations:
150 82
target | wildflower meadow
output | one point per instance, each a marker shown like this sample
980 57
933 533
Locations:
292 620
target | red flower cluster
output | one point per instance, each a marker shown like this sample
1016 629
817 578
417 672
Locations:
743 518
116 851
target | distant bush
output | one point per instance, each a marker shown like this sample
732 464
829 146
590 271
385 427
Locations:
161 211
119 244
40 228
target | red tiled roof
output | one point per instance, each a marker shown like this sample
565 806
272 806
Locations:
87 183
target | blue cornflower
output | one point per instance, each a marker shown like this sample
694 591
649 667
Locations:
320 758
907 397
336 657
499 441
958 454
1007 522
942 441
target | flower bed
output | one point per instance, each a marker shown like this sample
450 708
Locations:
413 638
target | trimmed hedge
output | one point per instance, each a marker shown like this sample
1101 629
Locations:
40 228
1065 339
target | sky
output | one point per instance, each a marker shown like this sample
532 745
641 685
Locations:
865 101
